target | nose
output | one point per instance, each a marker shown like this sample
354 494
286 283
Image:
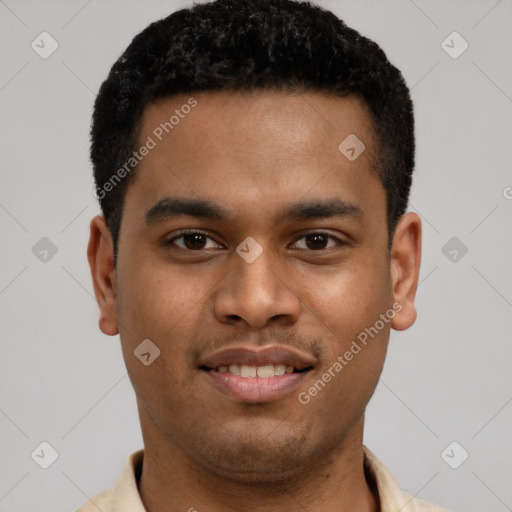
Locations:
256 294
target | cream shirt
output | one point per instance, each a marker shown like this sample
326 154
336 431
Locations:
124 496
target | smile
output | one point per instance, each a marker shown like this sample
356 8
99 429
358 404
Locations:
263 372
251 375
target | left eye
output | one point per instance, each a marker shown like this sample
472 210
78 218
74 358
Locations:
317 241
194 241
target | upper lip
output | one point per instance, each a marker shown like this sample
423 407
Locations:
258 356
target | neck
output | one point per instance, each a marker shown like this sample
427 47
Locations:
171 482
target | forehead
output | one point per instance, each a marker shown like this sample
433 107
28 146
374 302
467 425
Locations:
257 146
308 122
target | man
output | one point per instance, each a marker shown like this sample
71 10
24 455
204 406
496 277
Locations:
253 161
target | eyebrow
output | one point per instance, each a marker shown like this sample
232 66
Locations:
172 207
323 209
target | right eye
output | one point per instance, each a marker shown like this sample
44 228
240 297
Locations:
192 241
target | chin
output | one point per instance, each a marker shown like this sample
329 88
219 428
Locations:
261 461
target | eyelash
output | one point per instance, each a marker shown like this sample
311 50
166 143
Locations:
181 234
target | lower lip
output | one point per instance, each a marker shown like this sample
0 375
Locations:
254 389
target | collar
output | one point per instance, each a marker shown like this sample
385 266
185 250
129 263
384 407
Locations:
124 495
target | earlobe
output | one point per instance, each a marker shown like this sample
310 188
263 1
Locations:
100 254
405 269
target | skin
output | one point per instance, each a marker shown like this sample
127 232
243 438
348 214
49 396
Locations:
255 153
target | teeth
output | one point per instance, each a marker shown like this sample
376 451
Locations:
279 369
247 371
234 369
263 372
266 371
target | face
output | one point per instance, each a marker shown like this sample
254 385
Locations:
253 254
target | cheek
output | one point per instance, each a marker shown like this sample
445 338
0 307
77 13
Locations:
347 306
158 298
160 304
348 299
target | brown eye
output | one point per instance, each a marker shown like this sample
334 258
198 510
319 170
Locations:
193 241
317 242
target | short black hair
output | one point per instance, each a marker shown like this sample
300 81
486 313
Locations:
246 45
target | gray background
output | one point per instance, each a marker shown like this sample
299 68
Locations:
448 378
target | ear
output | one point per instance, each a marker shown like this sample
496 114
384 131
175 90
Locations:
100 254
405 268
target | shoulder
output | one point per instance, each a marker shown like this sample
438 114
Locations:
123 495
391 497
102 501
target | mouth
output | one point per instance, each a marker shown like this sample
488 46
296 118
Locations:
261 372
252 375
